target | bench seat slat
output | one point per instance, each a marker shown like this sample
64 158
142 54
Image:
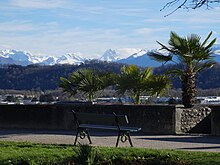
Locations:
94 126
131 129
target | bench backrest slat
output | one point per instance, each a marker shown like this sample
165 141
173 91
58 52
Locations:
95 118
122 120
101 119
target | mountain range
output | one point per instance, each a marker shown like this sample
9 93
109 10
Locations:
127 56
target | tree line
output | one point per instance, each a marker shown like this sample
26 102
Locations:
36 77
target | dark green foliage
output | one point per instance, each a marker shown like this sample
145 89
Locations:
88 81
46 77
136 81
85 155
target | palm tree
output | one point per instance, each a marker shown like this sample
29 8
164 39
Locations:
192 55
87 81
136 81
158 84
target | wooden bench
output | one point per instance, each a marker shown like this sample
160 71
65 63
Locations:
86 121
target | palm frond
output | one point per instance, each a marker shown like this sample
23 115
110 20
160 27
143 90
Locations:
163 47
177 72
158 84
67 86
211 44
147 73
160 57
207 38
207 64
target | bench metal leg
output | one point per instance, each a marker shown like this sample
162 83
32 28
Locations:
129 139
124 136
82 133
88 136
119 135
76 137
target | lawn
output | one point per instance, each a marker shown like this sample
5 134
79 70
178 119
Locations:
30 153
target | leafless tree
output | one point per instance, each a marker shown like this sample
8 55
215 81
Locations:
189 4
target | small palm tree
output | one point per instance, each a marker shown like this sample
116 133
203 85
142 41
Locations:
158 84
192 55
136 81
85 80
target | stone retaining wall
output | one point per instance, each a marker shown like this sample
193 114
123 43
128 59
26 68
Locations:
195 120
153 119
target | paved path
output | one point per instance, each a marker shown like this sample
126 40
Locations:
177 142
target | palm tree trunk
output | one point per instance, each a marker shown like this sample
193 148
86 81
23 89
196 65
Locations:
188 89
90 96
137 97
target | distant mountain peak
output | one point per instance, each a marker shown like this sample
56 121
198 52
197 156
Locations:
18 57
110 55
128 56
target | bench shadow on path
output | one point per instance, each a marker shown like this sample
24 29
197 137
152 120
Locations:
206 139
195 139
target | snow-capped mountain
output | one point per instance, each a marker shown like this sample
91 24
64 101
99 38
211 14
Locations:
140 58
16 57
129 56
110 55
25 58
71 58
118 54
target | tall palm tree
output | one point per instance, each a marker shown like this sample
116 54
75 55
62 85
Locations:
193 55
87 81
136 81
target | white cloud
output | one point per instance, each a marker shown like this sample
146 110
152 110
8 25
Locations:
92 43
16 26
144 31
38 4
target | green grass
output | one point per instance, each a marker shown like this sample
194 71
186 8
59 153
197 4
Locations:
21 153
30 153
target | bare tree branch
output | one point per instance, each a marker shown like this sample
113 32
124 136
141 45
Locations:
188 4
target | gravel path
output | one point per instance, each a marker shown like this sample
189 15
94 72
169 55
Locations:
177 142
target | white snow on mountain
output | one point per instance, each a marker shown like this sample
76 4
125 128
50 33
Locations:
110 55
118 54
140 58
126 52
71 58
125 55
15 57
25 58
139 53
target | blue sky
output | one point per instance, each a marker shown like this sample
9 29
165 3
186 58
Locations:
57 27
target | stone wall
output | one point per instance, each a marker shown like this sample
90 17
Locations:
153 119
195 120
